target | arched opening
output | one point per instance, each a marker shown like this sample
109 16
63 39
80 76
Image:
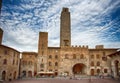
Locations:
98 71
15 75
98 63
3 75
29 73
117 67
24 73
56 73
4 61
92 72
78 69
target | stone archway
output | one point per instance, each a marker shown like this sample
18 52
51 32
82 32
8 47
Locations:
24 74
29 73
3 75
117 67
92 72
78 69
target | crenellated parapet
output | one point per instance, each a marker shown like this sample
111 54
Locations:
79 46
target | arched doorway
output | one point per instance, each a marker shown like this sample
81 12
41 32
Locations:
24 74
78 69
15 75
56 73
29 73
117 67
3 75
98 71
92 72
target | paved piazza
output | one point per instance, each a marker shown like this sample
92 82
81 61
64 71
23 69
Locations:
63 80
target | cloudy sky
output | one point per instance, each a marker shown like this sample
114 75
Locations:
92 22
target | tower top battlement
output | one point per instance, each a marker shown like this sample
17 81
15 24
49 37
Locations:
65 9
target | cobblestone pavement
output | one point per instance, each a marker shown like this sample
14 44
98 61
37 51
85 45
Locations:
61 80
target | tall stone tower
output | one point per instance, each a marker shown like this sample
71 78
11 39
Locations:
65 28
1 35
43 43
0 5
42 52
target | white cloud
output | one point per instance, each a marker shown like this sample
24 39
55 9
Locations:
44 15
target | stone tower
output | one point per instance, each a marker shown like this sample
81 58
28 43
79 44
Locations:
1 35
43 43
42 52
65 28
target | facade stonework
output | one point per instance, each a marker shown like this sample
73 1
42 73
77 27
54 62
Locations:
9 63
115 64
28 67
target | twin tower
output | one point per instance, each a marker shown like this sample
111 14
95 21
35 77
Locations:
65 32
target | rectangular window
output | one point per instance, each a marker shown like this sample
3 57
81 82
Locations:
5 52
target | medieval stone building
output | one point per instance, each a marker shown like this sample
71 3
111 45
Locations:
65 60
68 60
9 61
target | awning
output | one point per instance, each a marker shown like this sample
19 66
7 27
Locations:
45 72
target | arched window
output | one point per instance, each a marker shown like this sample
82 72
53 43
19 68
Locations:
92 63
56 57
98 63
92 56
24 63
81 56
3 75
17 62
50 56
56 63
5 62
6 52
13 61
98 56
74 56
14 54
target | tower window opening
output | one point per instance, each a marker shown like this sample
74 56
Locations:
66 42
